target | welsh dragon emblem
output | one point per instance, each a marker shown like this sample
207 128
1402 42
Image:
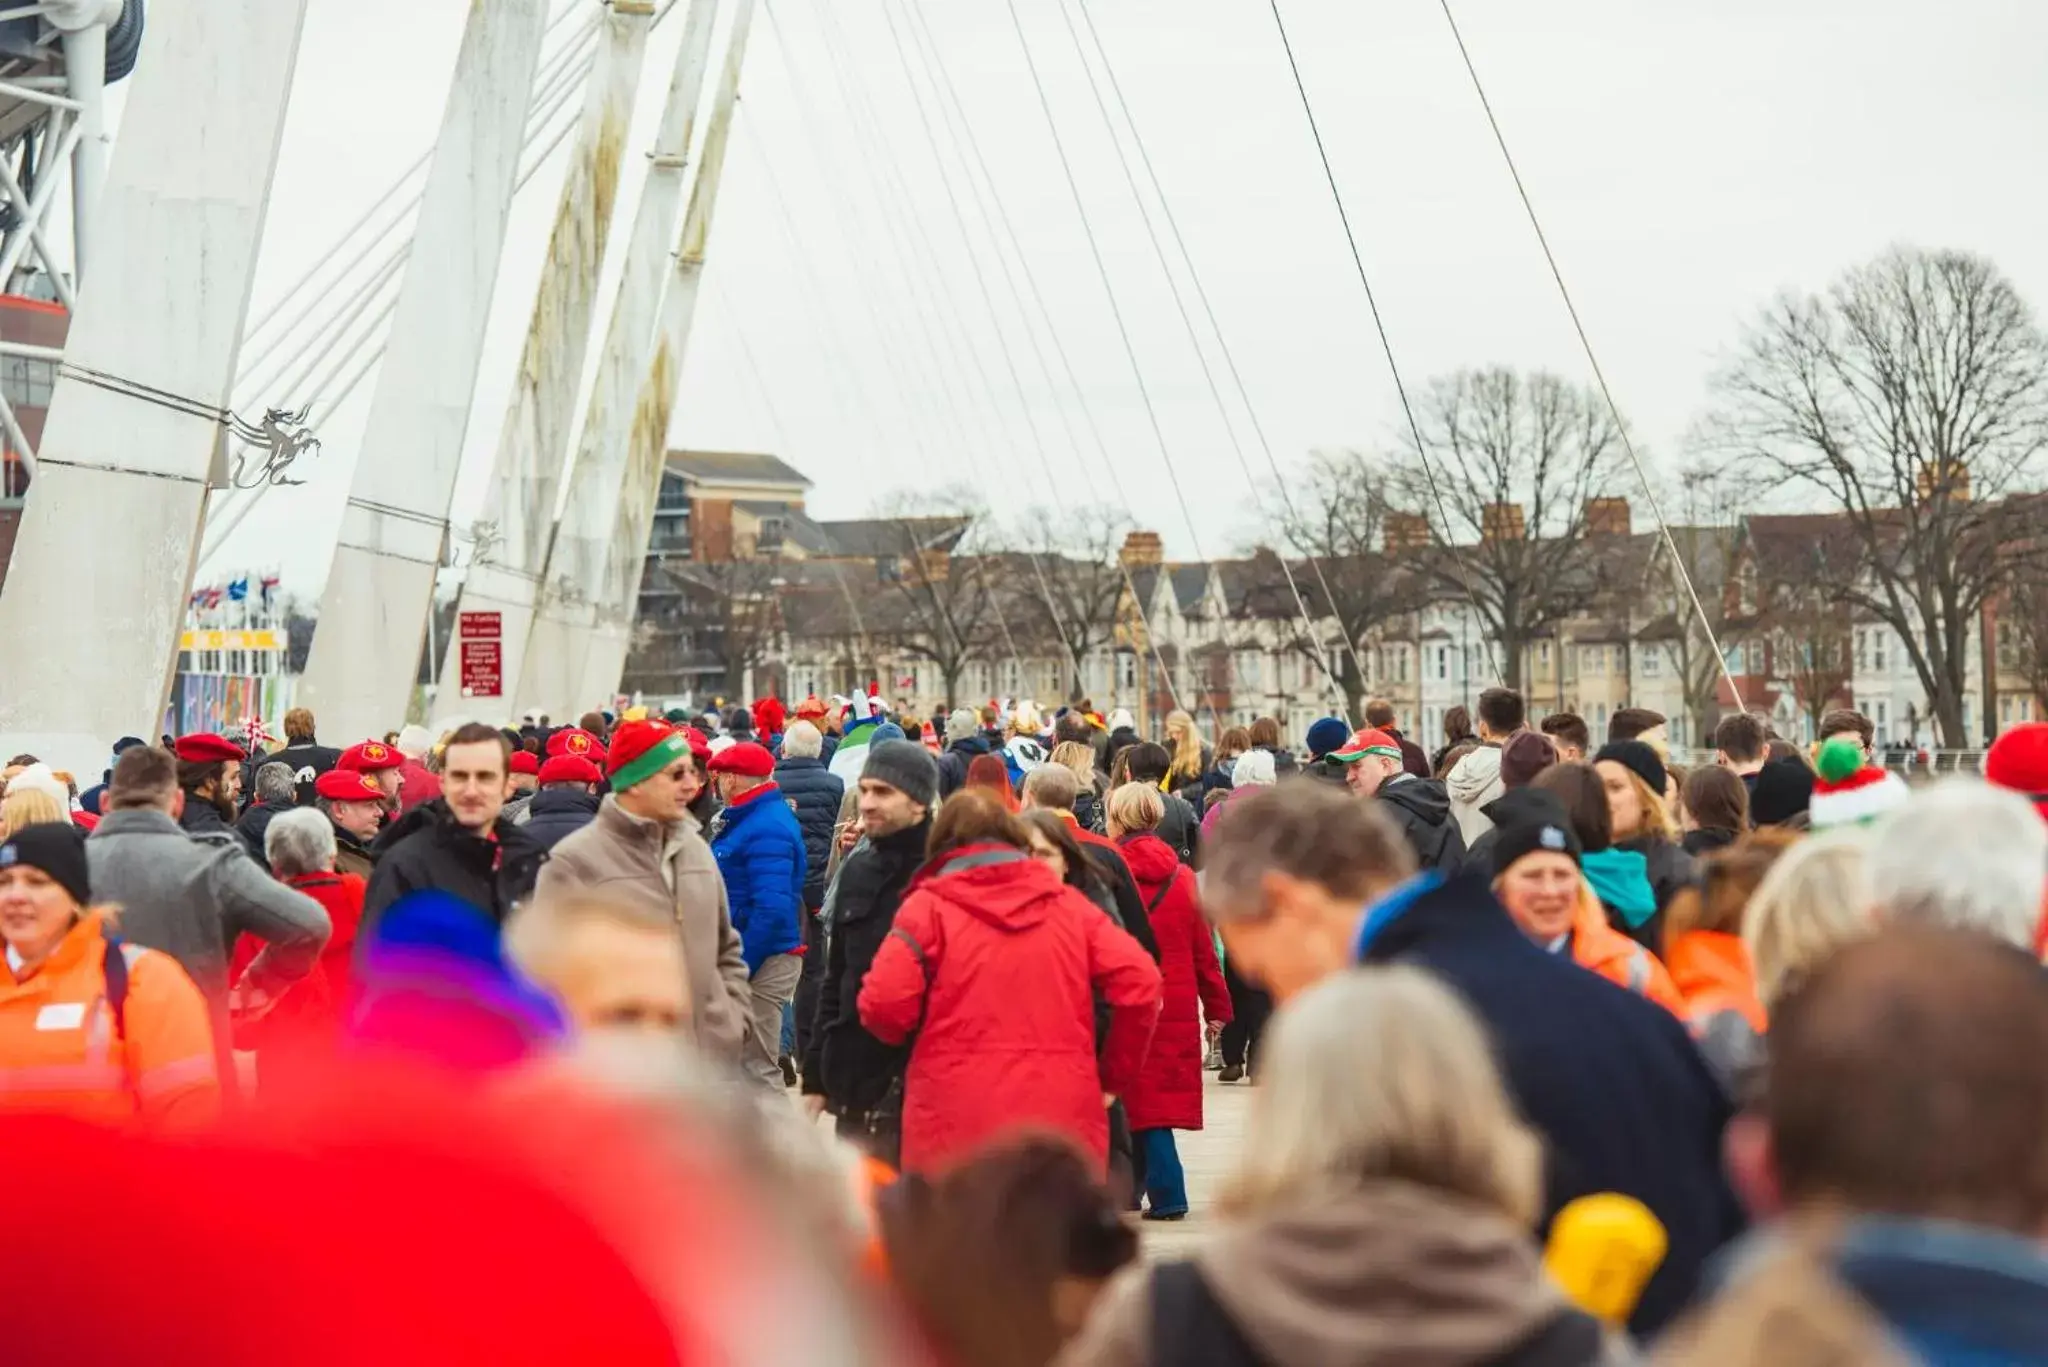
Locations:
281 438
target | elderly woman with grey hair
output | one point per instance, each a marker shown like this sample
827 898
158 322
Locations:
293 1034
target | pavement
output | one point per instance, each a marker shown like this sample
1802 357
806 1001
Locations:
1208 1155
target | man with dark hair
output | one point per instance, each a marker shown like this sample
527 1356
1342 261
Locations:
1637 723
1474 780
1303 881
455 842
193 899
210 776
1380 716
1567 731
1739 743
1845 721
1901 1157
1148 763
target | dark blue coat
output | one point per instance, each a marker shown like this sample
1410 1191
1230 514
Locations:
1611 1080
558 812
760 852
815 793
953 764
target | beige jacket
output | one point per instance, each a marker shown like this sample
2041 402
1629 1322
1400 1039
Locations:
619 854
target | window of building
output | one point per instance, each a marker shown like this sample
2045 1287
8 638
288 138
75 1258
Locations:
1650 660
1877 636
1443 662
1401 664
1248 666
1880 718
1753 657
1126 671
1543 653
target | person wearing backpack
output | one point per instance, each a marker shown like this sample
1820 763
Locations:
1179 823
91 1027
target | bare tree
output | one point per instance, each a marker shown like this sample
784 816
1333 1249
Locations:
1809 635
717 621
932 603
1705 538
1913 396
1507 468
1067 583
1348 578
2022 631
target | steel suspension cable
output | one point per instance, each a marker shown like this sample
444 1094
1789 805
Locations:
1379 326
1592 360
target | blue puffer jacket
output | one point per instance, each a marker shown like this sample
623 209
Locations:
815 794
760 852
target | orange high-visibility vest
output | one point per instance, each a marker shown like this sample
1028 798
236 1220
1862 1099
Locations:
63 1051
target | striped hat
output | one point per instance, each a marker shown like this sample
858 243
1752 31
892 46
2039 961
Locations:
1372 741
1849 788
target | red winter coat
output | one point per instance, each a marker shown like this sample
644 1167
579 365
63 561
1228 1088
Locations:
1168 1095
1000 961
301 1029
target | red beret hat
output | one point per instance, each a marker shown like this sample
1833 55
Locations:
746 758
370 756
574 740
569 769
209 748
525 762
347 785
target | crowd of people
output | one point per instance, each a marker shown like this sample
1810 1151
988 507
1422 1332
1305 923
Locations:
817 1034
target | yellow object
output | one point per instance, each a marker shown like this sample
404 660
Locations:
1602 1252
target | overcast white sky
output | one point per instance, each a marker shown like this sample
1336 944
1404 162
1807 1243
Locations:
1688 161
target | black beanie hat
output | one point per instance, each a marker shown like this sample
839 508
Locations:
1537 823
58 849
1784 789
1639 757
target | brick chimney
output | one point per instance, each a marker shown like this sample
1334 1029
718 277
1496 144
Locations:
1405 532
1502 522
1943 477
1142 549
1607 517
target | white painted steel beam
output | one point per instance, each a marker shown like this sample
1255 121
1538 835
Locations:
519 507
603 649
394 530
95 597
548 675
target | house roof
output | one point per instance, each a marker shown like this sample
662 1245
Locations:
1190 583
1791 547
876 537
738 467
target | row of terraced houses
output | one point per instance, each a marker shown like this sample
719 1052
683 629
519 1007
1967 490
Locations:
827 606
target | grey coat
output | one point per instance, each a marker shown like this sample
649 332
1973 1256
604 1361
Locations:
193 898
622 855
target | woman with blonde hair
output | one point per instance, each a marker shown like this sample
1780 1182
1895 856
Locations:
24 807
1079 760
1815 899
1190 754
1640 822
1385 1195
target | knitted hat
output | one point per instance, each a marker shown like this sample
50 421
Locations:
1783 789
642 749
962 725
40 778
745 758
1851 789
2018 760
1525 755
1367 742
569 769
812 708
1325 736
1537 823
58 849
1636 756
905 766
769 716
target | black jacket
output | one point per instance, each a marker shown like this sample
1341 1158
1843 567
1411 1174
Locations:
815 793
558 812
1088 810
1284 763
953 764
1130 911
1610 1079
1671 869
202 821
428 848
254 825
308 758
1180 827
1423 809
1501 811
1706 840
351 855
846 1065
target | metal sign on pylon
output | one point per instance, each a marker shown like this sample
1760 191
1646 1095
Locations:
527 470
